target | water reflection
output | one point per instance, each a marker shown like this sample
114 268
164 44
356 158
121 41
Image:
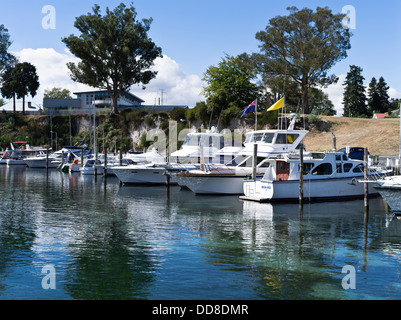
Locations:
112 242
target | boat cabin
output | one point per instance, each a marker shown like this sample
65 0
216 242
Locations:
315 166
275 141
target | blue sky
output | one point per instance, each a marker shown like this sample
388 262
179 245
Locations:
196 34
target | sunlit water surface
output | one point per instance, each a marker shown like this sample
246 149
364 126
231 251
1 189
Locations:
110 242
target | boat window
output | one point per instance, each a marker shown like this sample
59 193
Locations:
286 138
347 167
307 167
268 137
345 158
257 137
323 169
237 160
338 157
191 140
359 168
265 164
248 138
339 168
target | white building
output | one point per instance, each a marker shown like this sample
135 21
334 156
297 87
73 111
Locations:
87 100
30 108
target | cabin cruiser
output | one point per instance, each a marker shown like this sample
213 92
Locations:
53 160
198 147
16 156
326 176
389 188
228 179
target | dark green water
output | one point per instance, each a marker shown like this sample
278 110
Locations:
110 242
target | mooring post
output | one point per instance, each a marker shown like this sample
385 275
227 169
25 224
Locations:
366 177
47 158
255 160
105 163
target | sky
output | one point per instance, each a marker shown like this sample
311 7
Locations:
194 35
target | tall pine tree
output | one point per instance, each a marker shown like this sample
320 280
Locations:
382 91
373 97
354 94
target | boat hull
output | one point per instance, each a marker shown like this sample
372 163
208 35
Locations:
142 175
313 190
41 163
214 184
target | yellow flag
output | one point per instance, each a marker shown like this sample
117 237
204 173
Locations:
278 105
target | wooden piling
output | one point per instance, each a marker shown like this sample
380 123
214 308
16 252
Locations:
366 177
301 174
254 160
47 158
105 163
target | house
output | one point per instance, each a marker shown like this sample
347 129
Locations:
30 108
86 101
380 115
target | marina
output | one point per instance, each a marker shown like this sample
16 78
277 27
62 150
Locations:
108 241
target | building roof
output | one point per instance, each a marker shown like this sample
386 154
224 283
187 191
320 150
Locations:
8 107
380 115
125 94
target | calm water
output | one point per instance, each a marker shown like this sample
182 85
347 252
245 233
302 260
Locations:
111 242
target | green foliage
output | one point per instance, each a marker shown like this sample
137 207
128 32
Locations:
57 93
320 103
267 117
6 58
230 84
19 81
304 45
178 113
114 49
229 114
354 99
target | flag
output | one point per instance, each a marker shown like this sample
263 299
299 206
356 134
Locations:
278 105
248 109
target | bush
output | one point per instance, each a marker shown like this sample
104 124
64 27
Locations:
228 114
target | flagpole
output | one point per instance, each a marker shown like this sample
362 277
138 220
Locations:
256 115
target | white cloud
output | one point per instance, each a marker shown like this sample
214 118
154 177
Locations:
51 68
336 92
178 87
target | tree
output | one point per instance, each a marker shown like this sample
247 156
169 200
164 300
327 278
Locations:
57 93
304 45
230 84
320 103
27 81
373 96
114 49
6 58
9 87
18 81
354 93
383 97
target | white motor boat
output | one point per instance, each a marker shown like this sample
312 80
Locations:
326 176
228 179
198 147
17 156
389 188
52 161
